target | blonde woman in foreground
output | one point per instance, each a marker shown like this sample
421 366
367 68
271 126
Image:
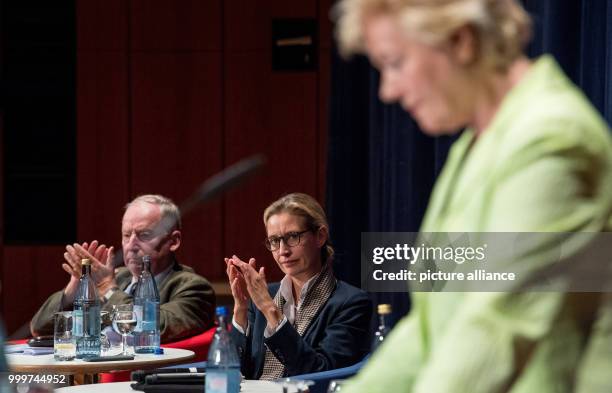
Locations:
535 156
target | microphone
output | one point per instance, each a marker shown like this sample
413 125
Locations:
221 182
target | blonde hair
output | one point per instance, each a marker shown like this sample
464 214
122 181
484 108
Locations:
170 213
502 27
305 206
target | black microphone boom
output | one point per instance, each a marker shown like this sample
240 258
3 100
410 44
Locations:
223 181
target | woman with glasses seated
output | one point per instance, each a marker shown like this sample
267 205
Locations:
308 322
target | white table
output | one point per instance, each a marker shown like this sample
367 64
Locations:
248 386
46 364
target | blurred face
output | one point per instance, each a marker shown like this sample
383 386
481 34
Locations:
301 261
427 81
143 233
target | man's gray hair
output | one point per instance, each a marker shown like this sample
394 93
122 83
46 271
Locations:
171 215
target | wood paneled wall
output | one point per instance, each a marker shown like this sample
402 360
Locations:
169 92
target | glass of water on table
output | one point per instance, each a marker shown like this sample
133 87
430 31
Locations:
124 323
64 343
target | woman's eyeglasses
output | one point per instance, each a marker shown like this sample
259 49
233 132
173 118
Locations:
290 239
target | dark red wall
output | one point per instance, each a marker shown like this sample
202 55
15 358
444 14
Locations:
169 92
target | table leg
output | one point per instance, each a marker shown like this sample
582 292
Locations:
90 378
83 379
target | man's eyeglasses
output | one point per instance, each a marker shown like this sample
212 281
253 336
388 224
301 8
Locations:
144 235
290 239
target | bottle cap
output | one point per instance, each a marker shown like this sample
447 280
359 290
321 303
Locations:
221 311
146 263
159 351
384 309
85 261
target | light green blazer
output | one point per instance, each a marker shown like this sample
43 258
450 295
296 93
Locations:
543 165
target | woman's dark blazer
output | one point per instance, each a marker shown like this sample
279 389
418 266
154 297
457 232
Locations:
339 336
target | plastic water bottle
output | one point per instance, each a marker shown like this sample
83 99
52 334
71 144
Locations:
86 316
383 325
146 306
223 365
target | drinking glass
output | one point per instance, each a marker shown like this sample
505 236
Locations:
105 320
64 343
125 320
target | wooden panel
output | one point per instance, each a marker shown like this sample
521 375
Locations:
102 145
326 28
272 113
35 273
248 24
102 24
176 142
176 25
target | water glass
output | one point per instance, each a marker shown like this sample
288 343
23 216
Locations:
64 342
125 320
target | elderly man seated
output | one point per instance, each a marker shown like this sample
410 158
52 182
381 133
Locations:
151 226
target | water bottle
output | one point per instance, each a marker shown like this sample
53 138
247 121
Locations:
146 306
86 314
223 365
383 325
